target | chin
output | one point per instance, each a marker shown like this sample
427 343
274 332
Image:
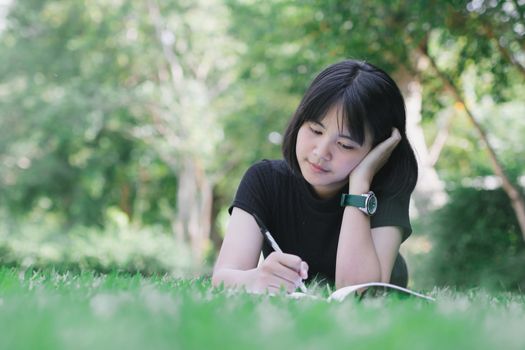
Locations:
324 184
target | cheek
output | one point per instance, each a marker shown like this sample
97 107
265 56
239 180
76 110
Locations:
351 162
349 166
302 141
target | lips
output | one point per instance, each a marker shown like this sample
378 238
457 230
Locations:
316 168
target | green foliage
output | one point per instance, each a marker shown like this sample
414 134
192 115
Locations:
118 248
110 311
65 124
465 157
489 36
475 241
94 118
88 97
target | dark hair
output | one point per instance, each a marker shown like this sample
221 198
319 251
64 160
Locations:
369 99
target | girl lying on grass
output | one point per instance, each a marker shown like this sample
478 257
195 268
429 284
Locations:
337 204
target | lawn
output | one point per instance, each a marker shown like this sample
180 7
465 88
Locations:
50 310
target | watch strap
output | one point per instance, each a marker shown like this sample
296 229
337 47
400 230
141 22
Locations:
354 200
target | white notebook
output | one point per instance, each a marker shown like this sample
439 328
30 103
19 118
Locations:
342 293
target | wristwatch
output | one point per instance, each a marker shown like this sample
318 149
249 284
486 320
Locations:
367 202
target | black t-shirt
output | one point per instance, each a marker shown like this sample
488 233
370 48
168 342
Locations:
301 223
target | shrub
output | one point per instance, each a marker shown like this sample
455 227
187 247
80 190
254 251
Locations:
147 251
476 241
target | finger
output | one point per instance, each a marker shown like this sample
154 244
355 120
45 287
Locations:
277 284
304 270
287 274
396 136
292 268
273 266
385 148
268 281
396 133
392 140
289 260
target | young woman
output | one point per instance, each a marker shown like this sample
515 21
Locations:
337 205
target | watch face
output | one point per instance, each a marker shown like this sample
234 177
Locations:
372 204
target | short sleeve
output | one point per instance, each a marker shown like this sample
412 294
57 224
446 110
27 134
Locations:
393 211
253 193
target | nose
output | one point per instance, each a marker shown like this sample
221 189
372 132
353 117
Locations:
322 150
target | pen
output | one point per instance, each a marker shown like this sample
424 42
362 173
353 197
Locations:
274 244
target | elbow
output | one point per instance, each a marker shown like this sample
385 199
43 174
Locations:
354 279
216 279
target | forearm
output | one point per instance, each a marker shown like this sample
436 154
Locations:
232 278
357 260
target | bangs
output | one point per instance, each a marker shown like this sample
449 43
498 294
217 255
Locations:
350 108
355 114
317 108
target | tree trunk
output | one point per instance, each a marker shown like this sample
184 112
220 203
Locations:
515 196
194 208
429 193
215 237
125 201
195 189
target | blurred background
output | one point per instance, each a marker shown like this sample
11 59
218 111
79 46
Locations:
125 126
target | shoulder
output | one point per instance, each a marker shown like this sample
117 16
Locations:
268 167
393 211
266 176
261 185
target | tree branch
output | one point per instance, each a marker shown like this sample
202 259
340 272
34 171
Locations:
177 73
440 141
502 49
515 196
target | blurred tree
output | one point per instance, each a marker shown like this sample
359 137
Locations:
63 112
395 35
114 104
196 69
493 33
131 104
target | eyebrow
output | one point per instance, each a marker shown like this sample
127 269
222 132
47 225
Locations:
340 135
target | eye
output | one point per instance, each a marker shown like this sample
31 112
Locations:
315 131
345 146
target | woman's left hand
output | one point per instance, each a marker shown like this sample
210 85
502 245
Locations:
362 175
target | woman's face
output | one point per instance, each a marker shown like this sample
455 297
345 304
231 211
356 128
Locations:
327 153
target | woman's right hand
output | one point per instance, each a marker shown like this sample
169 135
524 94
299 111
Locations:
278 270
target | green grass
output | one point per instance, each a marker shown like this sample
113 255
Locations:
50 310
